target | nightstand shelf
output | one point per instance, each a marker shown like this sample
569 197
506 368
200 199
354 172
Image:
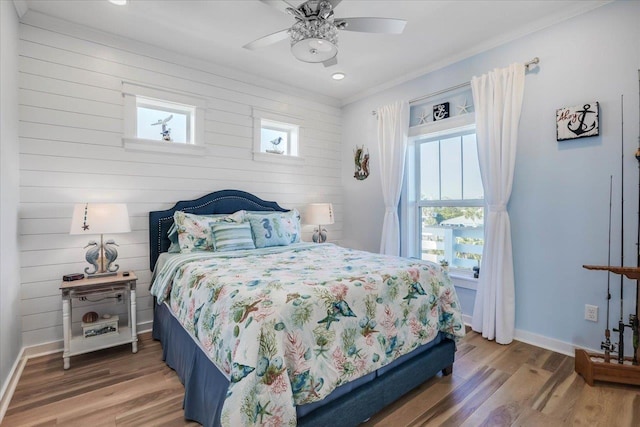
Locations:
126 332
80 345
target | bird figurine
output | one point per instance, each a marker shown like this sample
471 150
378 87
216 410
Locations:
166 132
275 142
111 253
92 256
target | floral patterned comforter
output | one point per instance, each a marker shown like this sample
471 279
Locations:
288 325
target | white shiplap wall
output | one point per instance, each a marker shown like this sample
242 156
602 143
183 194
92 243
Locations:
71 151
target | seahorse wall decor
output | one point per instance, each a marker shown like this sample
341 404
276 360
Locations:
361 160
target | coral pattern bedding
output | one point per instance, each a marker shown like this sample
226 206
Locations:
287 325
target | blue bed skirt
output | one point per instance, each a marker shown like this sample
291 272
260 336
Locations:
206 387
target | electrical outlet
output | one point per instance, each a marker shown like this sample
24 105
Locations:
591 312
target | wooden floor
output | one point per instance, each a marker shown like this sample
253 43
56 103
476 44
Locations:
491 385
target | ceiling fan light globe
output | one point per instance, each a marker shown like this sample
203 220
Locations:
321 46
314 40
314 50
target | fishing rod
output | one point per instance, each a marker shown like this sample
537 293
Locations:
634 319
621 324
606 345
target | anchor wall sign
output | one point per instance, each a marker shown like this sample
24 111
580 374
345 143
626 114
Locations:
440 111
578 122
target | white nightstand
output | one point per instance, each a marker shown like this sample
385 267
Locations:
80 344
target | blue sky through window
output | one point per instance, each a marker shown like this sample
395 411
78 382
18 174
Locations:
449 169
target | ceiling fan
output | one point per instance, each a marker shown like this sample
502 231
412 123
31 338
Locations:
314 35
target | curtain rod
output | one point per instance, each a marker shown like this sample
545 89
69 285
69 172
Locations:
534 61
528 64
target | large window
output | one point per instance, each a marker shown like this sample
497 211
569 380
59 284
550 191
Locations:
448 208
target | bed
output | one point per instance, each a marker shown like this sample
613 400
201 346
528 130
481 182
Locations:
296 333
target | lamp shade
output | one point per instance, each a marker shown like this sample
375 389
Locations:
100 218
319 214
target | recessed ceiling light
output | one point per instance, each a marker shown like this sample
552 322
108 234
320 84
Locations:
338 76
118 2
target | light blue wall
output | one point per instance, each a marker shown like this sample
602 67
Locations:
559 205
9 197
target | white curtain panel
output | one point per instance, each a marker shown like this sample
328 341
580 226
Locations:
497 98
393 125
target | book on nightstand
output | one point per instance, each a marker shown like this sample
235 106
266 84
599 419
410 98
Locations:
100 327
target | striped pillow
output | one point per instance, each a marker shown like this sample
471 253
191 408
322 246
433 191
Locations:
193 232
231 236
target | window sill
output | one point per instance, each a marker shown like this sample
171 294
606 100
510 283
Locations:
148 145
464 280
278 158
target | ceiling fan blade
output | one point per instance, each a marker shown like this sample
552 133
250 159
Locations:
331 62
372 25
281 5
267 40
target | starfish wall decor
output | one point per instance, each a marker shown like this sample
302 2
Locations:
464 108
423 117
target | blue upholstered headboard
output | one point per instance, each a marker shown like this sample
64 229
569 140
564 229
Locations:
218 202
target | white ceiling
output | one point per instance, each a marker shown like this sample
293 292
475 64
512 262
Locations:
437 33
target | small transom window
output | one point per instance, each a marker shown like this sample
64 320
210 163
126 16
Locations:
162 121
276 136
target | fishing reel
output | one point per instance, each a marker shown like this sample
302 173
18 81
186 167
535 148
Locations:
608 346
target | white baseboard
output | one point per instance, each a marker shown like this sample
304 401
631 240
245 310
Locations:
549 343
541 341
6 393
466 319
26 353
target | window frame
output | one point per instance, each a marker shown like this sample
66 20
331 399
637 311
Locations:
136 95
273 120
411 205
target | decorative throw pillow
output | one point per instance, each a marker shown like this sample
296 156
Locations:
290 221
230 236
292 224
269 230
194 231
172 234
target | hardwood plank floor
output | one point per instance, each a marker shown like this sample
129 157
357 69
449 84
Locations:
491 385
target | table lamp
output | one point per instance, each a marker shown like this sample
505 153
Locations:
319 213
100 218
